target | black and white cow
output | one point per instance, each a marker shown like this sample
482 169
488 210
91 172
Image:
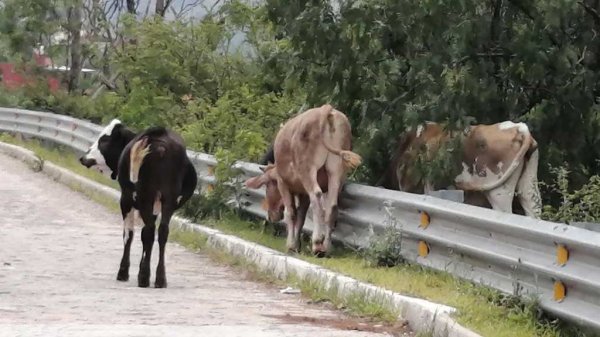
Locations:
155 176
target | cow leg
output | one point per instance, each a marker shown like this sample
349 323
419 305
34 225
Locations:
289 217
163 236
147 242
527 188
290 223
129 218
321 240
301 211
290 220
501 198
308 177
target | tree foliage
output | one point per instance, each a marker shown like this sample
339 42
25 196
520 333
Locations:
389 64
228 79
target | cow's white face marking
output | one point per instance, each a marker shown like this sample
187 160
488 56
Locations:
509 125
94 151
420 129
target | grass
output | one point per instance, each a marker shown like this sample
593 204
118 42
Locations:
481 309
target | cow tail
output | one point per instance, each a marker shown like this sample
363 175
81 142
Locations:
350 159
139 151
527 142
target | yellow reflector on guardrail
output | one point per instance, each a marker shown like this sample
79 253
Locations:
562 254
211 172
423 249
560 291
424 222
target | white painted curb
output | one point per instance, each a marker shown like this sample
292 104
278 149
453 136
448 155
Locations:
24 155
422 315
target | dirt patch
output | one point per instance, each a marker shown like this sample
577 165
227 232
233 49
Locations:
399 329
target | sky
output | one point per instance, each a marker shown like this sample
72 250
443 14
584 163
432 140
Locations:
196 9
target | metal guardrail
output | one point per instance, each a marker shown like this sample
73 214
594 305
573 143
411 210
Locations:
557 264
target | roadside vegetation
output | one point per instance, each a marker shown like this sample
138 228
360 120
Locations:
227 78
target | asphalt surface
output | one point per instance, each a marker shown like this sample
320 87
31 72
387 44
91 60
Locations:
59 256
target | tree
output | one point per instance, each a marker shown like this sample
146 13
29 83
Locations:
29 24
390 64
74 25
131 6
162 6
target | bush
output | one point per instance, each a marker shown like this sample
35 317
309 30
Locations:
37 96
242 122
385 249
582 204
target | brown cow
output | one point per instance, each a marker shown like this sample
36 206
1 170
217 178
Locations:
496 159
312 154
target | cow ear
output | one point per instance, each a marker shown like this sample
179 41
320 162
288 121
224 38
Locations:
256 182
116 131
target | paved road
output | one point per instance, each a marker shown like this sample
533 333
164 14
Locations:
59 254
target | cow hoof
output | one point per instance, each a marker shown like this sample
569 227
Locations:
160 284
123 275
143 282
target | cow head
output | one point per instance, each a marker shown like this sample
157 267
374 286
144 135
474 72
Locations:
104 154
273 200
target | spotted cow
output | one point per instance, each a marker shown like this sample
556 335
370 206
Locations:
499 162
155 176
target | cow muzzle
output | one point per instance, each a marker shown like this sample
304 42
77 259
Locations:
320 247
319 251
275 216
87 162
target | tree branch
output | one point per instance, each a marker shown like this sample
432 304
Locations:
131 6
493 55
591 11
532 18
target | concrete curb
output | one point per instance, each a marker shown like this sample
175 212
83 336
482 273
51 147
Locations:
422 315
24 155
